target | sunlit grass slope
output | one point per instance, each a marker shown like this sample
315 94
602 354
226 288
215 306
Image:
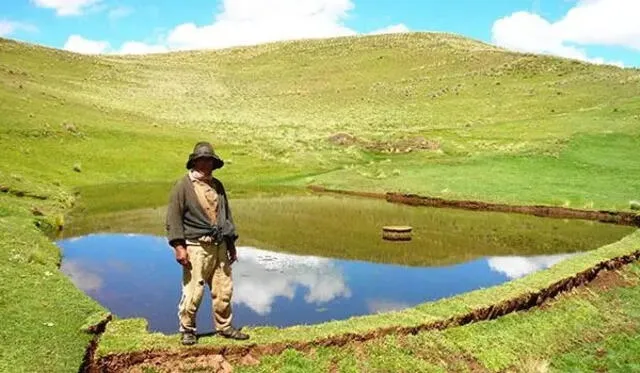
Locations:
494 125
558 131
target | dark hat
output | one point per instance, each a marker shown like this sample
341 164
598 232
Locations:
204 150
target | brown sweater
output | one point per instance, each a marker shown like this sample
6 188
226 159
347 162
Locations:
187 220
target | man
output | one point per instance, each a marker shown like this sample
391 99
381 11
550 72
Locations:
201 231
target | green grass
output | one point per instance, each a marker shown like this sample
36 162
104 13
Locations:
510 127
618 352
580 176
42 312
270 114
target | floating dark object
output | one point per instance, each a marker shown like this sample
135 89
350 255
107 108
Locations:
396 233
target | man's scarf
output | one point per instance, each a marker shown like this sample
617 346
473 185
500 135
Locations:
199 175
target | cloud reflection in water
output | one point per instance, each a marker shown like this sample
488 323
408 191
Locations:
137 276
520 266
261 276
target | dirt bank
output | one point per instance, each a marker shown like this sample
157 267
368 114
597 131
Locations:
319 189
89 354
238 354
613 217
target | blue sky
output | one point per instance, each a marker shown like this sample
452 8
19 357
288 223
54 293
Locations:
594 30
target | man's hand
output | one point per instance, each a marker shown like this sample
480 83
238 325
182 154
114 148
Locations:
233 254
182 256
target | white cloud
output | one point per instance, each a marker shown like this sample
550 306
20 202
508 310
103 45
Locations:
393 29
78 44
120 12
66 7
9 27
518 266
589 22
251 22
248 22
261 276
604 22
134 47
6 28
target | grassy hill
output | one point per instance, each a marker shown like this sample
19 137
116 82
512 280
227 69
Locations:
434 114
297 109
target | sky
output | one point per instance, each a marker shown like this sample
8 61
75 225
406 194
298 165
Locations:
597 31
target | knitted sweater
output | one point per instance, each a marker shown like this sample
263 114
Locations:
187 220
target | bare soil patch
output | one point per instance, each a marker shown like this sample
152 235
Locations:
202 363
391 146
404 145
609 280
343 139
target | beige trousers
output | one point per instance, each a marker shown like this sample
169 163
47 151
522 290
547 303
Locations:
209 266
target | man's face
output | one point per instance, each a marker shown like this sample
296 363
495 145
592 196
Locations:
204 165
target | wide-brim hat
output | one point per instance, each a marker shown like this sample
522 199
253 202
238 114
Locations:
204 150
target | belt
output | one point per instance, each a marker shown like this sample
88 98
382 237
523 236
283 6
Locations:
205 240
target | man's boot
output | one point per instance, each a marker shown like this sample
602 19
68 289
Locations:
233 333
189 338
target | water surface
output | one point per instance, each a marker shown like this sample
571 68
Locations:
306 260
137 276
351 228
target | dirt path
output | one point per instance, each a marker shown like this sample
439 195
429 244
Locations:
247 354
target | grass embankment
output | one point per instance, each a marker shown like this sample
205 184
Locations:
43 314
498 126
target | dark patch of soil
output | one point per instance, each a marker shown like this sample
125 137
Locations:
21 193
203 363
404 145
343 139
89 354
407 145
117 362
609 280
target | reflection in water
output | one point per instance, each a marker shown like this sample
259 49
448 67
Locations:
383 305
84 279
262 276
137 276
518 266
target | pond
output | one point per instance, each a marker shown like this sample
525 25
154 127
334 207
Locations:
307 260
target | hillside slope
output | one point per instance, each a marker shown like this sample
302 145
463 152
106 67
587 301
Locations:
284 100
469 120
